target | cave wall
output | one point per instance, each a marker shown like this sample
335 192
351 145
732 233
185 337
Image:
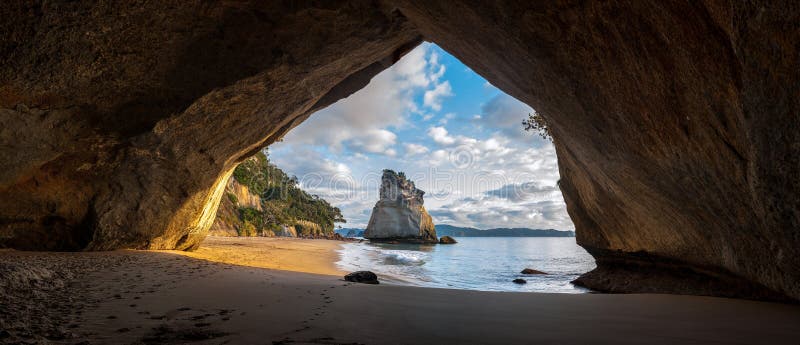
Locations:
675 122
121 121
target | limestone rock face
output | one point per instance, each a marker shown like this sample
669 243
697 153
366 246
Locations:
120 123
227 219
675 123
288 231
243 196
400 214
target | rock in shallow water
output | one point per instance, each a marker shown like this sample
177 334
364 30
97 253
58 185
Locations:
400 215
520 281
532 271
447 240
365 277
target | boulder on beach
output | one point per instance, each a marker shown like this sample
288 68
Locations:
532 271
447 240
365 277
399 215
520 281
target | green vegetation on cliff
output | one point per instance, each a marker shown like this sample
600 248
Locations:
282 200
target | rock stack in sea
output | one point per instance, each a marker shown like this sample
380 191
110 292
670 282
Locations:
399 215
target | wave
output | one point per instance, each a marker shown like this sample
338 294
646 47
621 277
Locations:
403 258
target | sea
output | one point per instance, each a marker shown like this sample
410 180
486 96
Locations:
475 263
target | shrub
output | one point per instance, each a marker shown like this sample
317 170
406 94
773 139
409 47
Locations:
232 197
247 229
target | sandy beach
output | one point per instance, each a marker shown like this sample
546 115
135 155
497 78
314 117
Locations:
279 253
146 297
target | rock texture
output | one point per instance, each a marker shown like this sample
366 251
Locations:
364 277
675 125
447 240
227 219
531 271
120 123
399 215
288 231
675 122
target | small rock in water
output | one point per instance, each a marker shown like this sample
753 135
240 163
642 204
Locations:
365 277
447 240
532 271
520 281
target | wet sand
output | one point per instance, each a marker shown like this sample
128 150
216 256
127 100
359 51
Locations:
139 297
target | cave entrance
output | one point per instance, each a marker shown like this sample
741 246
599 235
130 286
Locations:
488 182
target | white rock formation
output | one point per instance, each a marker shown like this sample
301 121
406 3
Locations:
400 214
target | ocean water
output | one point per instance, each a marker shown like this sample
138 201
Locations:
475 263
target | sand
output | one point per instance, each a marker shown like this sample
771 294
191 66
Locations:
280 253
140 297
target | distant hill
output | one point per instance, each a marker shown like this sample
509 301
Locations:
350 232
457 231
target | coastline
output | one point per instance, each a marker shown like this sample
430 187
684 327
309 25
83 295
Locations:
155 297
317 256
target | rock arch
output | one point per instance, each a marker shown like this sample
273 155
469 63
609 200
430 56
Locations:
676 123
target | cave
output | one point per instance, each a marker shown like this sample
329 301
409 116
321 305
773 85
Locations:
675 122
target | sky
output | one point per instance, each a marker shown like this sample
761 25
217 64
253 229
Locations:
459 138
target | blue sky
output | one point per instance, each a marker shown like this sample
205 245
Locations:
457 136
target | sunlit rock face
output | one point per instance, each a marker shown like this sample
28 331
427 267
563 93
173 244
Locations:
120 122
675 123
227 219
399 214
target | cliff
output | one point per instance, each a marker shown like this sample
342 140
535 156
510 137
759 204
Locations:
400 214
229 220
261 200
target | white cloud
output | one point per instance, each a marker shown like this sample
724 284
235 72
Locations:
524 191
385 102
362 131
489 174
374 141
439 155
433 98
446 118
505 113
440 136
495 178
314 165
415 149
489 212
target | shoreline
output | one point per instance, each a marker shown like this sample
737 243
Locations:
153 297
289 290
316 256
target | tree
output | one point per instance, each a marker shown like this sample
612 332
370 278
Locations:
282 200
535 122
